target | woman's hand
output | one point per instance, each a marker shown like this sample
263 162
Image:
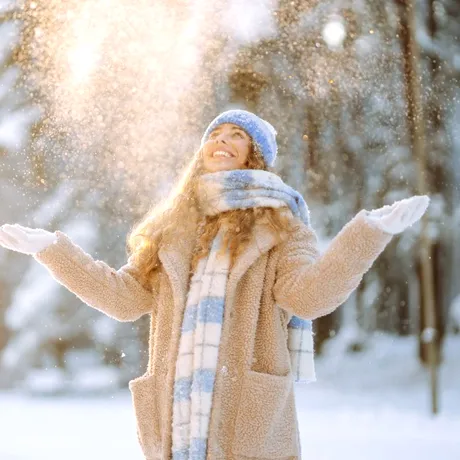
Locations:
25 240
400 215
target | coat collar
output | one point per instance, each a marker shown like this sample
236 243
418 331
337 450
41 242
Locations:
176 255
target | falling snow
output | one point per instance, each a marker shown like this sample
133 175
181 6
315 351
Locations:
103 103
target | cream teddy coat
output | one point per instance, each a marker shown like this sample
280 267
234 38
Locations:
253 414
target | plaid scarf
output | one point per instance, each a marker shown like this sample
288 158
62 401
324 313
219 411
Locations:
204 310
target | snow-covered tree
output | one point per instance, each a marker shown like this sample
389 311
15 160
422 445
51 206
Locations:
17 115
331 77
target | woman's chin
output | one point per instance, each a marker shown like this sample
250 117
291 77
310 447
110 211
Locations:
220 167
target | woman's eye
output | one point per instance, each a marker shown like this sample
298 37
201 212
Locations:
238 134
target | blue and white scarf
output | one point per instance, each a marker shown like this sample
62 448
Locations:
204 311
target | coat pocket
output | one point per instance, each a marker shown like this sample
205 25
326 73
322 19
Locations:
266 422
144 394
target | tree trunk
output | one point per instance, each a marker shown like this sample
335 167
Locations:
417 131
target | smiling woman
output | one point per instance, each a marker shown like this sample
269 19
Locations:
228 147
229 269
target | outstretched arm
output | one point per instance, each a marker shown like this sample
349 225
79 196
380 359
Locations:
310 285
117 293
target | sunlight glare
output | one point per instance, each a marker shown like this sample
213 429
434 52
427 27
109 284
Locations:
334 33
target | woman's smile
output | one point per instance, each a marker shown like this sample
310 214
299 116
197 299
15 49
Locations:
223 154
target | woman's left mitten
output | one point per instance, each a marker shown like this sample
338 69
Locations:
400 215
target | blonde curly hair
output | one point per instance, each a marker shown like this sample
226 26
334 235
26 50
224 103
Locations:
145 237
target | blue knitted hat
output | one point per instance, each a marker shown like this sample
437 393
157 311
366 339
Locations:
262 132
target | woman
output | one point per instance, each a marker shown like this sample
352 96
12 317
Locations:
223 268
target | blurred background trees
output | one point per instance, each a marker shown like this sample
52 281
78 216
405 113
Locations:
108 121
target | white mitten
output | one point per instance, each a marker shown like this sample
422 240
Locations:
400 215
24 239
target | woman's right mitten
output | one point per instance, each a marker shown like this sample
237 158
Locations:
24 239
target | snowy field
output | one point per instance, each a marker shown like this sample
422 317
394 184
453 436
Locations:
371 406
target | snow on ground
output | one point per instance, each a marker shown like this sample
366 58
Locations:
376 405
369 406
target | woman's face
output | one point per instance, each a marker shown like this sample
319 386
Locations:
227 147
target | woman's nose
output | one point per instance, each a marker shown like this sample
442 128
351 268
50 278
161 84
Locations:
221 138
